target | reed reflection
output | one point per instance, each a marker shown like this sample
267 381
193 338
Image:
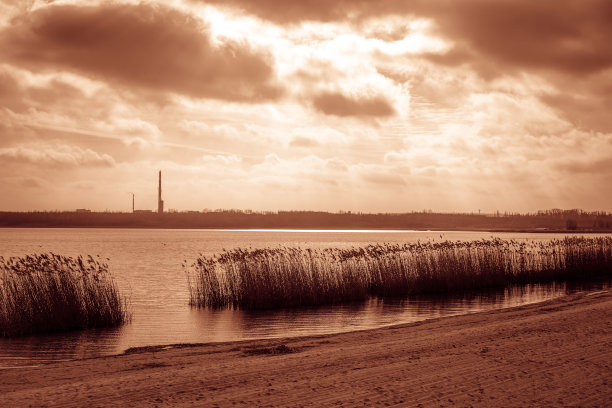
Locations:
205 325
35 350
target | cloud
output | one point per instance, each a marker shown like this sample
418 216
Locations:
317 135
564 44
334 103
144 46
220 132
131 128
222 160
383 178
63 155
283 12
301 141
55 92
307 171
336 165
10 92
592 166
31 183
571 37
581 101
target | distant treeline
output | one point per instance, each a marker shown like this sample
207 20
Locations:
550 220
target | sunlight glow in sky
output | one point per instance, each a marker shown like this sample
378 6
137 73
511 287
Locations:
360 105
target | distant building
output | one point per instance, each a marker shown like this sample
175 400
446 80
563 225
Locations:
143 211
160 202
83 210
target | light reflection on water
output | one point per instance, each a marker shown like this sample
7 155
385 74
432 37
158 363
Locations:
146 264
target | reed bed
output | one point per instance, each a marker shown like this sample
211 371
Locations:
49 293
294 277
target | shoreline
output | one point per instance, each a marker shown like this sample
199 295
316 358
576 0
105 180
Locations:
318 229
555 352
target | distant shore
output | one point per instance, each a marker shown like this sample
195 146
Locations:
323 229
557 222
555 353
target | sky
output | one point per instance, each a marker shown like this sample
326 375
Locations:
360 105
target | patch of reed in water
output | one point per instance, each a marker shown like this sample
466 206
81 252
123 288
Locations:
43 293
294 277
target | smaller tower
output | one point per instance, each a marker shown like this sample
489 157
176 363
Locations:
160 202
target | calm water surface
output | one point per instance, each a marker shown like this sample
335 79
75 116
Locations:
147 267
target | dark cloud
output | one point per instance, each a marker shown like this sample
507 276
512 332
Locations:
569 36
143 46
334 103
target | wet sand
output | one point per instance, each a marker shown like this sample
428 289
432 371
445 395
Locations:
556 353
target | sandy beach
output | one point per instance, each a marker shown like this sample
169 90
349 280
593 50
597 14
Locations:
556 353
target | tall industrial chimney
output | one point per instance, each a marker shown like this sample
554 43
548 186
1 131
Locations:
160 202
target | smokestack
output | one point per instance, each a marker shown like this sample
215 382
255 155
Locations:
160 202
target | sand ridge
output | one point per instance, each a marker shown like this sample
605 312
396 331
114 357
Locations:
556 353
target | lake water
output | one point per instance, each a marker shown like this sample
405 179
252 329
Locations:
147 267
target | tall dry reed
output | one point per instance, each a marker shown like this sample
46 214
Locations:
49 293
292 277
